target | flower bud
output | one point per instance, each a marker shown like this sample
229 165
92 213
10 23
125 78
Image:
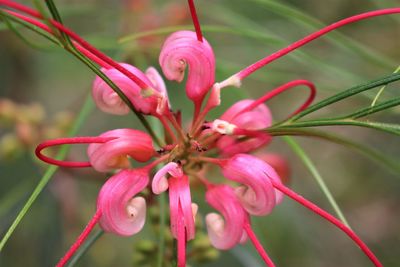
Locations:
144 100
114 153
181 49
224 232
256 193
123 213
255 119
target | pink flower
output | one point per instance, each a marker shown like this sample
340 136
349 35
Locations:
151 101
256 186
227 231
123 213
182 49
115 154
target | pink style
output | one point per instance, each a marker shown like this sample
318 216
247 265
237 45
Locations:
253 187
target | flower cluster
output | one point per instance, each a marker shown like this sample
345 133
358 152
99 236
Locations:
253 187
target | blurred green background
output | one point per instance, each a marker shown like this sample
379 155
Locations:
42 90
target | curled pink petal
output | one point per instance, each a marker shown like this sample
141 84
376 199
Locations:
228 231
144 101
158 83
258 118
160 182
179 198
279 163
255 119
123 213
256 194
114 153
182 48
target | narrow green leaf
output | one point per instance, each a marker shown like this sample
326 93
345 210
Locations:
86 109
382 159
56 16
347 93
29 26
380 92
317 176
385 127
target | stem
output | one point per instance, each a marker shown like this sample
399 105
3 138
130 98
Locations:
314 208
82 237
167 128
88 63
257 245
317 176
195 20
282 89
81 41
261 63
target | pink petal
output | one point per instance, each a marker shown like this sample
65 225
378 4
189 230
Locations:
114 154
182 48
122 213
160 182
179 197
228 231
108 101
257 194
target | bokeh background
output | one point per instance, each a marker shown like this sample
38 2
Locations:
42 89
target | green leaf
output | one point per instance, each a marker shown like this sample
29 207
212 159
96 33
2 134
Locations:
382 159
347 93
317 176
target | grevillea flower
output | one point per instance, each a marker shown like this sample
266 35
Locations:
254 189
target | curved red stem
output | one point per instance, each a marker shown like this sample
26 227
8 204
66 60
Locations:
79 40
195 20
79 241
314 208
66 141
261 63
282 89
257 245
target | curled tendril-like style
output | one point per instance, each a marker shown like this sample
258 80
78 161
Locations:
256 193
114 153
181 49
227 231
123 213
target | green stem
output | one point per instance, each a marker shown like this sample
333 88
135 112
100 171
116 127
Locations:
318 178
85 247
86 109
